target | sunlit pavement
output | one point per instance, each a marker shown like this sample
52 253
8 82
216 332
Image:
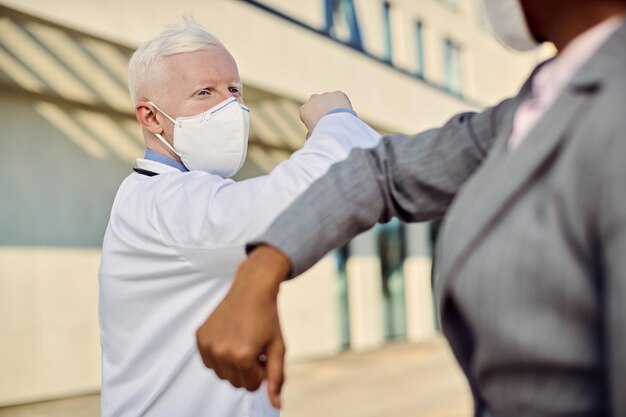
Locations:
399 380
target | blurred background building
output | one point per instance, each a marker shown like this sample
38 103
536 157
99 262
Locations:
68 138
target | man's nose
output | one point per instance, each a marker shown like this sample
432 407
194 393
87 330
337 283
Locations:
237 96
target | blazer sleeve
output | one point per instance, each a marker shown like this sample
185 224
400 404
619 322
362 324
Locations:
612 218
413 178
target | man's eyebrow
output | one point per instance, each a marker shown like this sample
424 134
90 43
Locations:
201 86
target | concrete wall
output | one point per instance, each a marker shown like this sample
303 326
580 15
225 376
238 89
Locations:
57 196
418 287
49 341
57 192
309 309
365 309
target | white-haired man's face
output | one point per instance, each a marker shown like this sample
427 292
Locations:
189 84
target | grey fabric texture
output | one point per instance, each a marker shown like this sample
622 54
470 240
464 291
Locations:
532 269
414 178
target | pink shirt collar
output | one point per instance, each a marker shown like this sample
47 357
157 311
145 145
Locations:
555 75
551 79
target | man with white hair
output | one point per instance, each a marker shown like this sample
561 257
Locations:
178 224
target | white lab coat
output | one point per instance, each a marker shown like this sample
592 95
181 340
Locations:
170 251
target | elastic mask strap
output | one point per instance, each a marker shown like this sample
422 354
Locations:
158 135
166 143
164 114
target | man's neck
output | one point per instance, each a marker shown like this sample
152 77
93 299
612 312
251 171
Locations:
571 22
155 145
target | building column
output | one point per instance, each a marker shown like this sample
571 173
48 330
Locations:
310 312
365 304
418 287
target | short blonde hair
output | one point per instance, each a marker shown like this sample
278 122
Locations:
190 36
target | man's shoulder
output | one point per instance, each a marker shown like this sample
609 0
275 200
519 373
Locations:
170 184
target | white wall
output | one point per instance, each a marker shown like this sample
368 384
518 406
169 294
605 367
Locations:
309 312
49 341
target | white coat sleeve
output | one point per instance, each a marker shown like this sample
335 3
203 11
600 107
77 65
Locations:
201 212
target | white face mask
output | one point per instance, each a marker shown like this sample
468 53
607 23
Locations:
509 24
215 141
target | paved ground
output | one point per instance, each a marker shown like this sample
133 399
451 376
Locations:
400 380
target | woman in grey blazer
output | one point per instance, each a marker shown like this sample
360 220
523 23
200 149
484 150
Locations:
532 273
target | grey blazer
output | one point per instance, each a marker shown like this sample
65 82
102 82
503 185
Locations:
532 272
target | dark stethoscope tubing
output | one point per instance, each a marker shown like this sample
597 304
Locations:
145 172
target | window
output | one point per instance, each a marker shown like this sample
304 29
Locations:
452 67
419 50
387 40
342 23
392 253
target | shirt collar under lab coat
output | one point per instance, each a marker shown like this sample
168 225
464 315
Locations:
164 159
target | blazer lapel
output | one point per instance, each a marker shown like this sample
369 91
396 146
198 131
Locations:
504 174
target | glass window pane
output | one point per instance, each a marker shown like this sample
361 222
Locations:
452 65
419 50
387 40
342 23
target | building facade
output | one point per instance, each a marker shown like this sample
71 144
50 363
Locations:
69 138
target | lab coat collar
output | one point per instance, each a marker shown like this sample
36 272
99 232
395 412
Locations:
154 166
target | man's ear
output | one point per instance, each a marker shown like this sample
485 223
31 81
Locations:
147 117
